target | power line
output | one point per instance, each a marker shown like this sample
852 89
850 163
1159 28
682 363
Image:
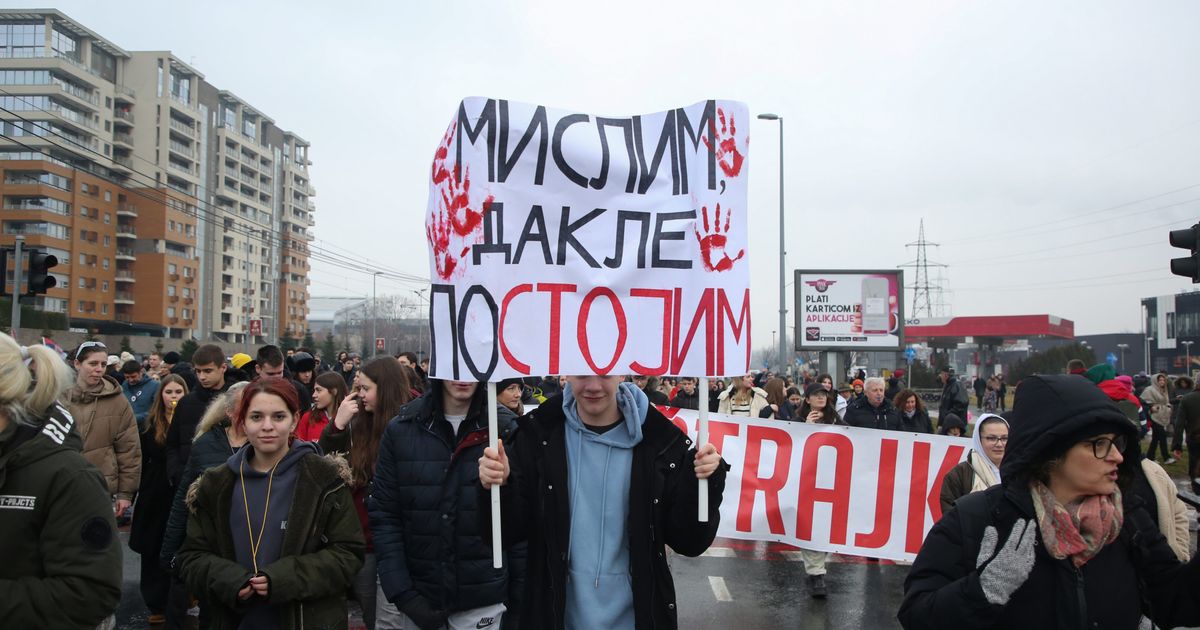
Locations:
1088 241
265 236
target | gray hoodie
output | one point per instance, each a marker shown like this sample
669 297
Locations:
282 487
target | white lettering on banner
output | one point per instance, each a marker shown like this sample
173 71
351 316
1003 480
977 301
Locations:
829 488
563 243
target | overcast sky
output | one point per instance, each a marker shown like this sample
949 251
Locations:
1048 146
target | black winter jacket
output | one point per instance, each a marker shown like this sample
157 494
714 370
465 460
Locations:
1137 574
209 450
919 423
423 508
860 413
182 431
1134 575
535 507
954 400
683 400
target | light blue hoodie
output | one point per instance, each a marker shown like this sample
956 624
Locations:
599 586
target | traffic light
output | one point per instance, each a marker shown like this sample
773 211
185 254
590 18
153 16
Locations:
40 279
1188 266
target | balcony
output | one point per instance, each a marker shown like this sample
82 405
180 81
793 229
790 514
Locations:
126 231
123 297
248 179
123 115
181 149
126 210
182 127
125 253
124 276
124 319
123 163
122 138
125 94
190 170
173 298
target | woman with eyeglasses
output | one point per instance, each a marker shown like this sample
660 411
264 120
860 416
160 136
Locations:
981 469
1064 540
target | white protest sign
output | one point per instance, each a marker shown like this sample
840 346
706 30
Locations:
829 488
564 243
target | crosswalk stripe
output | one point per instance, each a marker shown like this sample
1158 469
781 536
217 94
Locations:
720 591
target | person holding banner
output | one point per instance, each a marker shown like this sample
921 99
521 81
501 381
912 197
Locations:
1065 540
598 482
816 410
434 565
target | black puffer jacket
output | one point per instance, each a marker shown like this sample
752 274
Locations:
954 399
209 450
860 413
182 431
1136 574
535 507
423 508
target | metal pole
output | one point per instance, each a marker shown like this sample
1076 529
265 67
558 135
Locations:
16 291
784 364
374 317
493 438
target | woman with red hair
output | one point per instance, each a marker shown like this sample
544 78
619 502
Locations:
272 541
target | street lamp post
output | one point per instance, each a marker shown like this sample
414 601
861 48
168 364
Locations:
1149 345
1187 366
783 353
374 316
1122 347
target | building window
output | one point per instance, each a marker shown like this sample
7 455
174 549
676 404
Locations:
83 259
64 45
171 268
82 283
108 195
104 309
249 127
106 240
181 87
104 64
104 286
104 263
107 218
23 39
187 291
79 306
187 272
171 226
170 290
170 311
187 313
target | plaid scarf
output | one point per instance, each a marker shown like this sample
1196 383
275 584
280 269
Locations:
1080 529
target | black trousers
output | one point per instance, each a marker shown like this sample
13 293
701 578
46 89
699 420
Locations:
155 585
1158 437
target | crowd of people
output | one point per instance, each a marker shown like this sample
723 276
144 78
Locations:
269 491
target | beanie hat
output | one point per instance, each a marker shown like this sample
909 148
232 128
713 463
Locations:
857 383
171 358
240 359
508 382
1100 372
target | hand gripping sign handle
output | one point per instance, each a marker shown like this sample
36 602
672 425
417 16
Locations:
701 440
493 435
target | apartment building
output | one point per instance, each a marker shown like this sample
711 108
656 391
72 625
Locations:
174 207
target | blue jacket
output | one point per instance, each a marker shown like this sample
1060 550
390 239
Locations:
423 509
140 397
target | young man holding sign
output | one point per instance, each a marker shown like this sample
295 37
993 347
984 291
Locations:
597 481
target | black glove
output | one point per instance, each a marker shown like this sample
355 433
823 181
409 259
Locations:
422 612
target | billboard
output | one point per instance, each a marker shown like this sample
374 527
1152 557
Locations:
842 309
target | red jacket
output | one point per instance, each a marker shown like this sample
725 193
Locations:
311 424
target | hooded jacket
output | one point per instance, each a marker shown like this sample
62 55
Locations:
1136 574
599 463
662 505
61 555
1160 405
423 508
951 421
954 399
960 480
320 552
110 435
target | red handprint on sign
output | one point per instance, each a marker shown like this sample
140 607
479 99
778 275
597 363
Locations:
713 241
438 232
728 156
455 223
456 193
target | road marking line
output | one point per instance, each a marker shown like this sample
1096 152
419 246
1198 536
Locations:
719 589
719 552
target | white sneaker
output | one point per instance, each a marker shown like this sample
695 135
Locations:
1170 460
